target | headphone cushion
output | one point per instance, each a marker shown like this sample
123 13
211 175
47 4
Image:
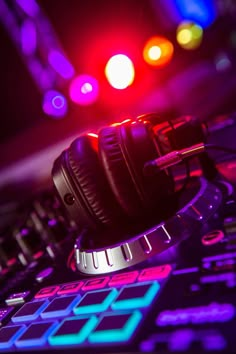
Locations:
99 205
117 171
124 149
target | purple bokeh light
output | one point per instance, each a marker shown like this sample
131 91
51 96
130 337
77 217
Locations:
60 64
28 37
30 7
84 90
54 104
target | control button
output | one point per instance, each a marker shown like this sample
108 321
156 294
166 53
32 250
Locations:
137 295
95 283
69 288
57 230
36 334
211 313
212 237
5 313
60 306
194 289
96 301
47 292
116 327
73 330
30 241
30 311
44 274
230 225
9 334
8 250
155 273
123 278
17 299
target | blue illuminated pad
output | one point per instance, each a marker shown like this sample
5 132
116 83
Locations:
136 295
116 327
60 306
30 311
73 330
36 334
9 334
95 301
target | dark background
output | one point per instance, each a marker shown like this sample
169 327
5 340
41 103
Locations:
90 32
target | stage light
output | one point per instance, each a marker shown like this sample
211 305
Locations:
120 71
189 35
202 12
30 7
154 52
158 51
60 64
84 90
28 37
54 104
223 62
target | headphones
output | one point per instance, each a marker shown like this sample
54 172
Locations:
101 182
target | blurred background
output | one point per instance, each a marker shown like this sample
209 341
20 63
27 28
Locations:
70 66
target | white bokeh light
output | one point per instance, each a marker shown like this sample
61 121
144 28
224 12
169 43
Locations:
119 71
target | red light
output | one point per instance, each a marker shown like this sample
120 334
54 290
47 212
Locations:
158 51
93 135
120 71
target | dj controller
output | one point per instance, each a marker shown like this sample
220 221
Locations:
128 298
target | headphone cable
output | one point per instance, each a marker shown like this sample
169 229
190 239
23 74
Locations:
177 156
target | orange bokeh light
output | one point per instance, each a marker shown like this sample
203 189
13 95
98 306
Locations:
158 51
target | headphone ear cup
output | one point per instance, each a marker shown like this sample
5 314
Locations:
115 167
96 205
123 150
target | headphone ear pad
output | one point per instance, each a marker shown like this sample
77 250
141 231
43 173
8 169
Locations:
117 172
124 149
97 205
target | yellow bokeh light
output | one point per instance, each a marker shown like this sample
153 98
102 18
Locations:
184 36
189 35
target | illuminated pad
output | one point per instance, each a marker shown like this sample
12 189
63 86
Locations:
60 306
9 334
155 273
137 295
95 301
30 311
73 330
116 327
47 292
69 288
36 334
97 283
123 278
